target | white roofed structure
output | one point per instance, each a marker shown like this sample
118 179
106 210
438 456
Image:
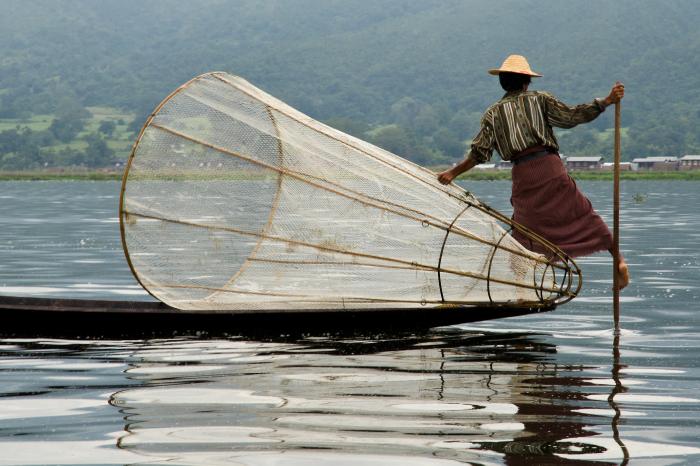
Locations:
690 162
593 162
663 162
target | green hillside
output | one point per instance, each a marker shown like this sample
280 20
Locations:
409 76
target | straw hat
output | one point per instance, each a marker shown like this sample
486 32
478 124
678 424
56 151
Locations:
515 64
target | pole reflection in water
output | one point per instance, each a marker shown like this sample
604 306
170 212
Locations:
618 388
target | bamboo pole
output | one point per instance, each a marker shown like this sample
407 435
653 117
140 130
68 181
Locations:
618 388
616 223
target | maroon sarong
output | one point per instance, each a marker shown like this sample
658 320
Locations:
547 201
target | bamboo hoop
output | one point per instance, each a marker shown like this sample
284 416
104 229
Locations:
273 208
122 229
442 250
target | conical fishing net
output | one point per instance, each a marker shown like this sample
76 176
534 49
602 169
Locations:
233 200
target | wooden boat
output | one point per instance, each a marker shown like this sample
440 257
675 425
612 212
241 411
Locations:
25 316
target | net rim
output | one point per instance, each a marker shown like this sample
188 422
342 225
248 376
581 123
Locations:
127 168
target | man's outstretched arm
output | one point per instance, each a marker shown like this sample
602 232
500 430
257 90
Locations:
481 150
447 176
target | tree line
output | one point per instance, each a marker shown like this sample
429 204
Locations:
23 148
408 76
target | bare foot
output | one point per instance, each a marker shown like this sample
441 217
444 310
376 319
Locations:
623 277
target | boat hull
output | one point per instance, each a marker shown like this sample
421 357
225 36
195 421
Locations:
27 316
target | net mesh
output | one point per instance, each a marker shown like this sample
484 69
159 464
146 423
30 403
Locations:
233 200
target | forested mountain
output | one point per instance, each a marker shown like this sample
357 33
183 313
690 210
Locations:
408 75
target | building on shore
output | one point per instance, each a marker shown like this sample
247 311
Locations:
504 165
663 163
690 162
485 166
624 166
594 162
498 165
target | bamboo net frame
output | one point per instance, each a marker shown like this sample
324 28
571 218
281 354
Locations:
231 199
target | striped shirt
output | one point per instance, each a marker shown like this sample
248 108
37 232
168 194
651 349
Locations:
524 119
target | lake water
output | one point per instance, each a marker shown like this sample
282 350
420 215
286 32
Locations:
541 389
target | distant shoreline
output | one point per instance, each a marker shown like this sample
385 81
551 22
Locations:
476 175
689 175
67 175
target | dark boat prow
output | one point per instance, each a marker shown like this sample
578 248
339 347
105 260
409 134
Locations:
54 317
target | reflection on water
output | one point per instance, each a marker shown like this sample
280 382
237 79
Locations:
443 397
556 388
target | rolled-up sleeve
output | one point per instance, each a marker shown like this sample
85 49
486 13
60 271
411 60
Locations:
483 143
562 116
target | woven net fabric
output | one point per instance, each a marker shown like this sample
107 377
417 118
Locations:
233 200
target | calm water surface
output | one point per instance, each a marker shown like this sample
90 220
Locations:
538 390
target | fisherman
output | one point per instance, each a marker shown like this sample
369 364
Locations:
544 197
